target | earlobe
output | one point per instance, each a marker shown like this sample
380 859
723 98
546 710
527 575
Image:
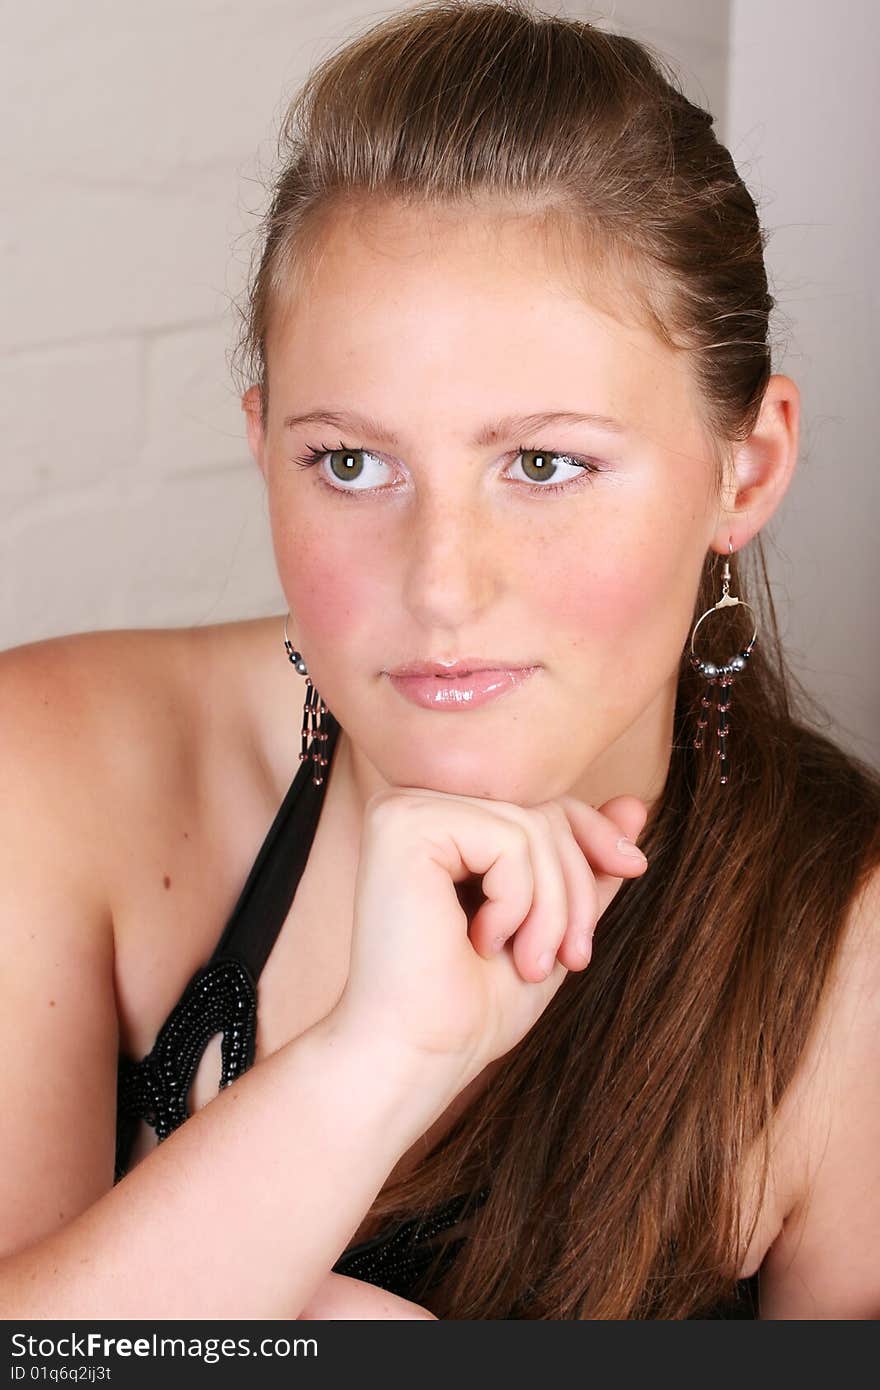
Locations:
763 465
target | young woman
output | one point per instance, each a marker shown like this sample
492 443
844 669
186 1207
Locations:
507 378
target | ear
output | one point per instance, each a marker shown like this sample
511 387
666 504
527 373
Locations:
251 404
762 466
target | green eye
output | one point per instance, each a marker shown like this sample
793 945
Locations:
345 464
539 466
539 461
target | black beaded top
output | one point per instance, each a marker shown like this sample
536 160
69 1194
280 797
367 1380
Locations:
221 997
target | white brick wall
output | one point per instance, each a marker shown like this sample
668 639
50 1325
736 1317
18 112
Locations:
136 141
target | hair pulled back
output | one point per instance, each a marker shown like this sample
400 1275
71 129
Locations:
613 1137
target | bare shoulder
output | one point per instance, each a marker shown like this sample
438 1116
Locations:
57 698
116 722
83 682
824 1262
83 697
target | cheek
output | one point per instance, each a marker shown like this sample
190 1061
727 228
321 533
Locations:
627 602
325 587
593 595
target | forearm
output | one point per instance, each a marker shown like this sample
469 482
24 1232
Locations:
241 1212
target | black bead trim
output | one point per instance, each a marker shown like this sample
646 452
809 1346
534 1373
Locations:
397 1258
221 997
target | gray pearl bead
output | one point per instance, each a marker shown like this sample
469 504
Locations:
738 663
301 667
708 669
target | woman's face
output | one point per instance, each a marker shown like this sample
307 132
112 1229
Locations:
441 544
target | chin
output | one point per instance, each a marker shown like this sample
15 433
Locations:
460 772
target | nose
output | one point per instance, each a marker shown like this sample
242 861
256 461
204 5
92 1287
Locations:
452 571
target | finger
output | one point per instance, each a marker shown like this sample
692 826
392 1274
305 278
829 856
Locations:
575 947
538 933
600 843
629 813
599 832
601 828
596 833
507 874
558 890
469 844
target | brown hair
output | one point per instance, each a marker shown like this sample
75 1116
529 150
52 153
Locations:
611 1137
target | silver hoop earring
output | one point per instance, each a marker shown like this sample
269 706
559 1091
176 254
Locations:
723 676
313 735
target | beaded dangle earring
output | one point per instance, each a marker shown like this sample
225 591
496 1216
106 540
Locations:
313 709
722 676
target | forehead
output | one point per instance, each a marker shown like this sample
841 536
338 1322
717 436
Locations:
484 302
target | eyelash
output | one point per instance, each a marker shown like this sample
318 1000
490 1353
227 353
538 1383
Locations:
589 466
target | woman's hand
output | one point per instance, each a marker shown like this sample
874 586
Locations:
341 1297
422 975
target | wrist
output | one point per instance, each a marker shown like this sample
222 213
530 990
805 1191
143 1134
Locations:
425 1081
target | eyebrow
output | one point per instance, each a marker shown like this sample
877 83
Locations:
489 434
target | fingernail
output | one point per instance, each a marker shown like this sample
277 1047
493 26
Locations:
626 846
545 962
582 945
498 943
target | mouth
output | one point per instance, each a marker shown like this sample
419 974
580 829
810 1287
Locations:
462 691
461 666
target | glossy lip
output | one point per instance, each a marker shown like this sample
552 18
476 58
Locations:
461 666
463 692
